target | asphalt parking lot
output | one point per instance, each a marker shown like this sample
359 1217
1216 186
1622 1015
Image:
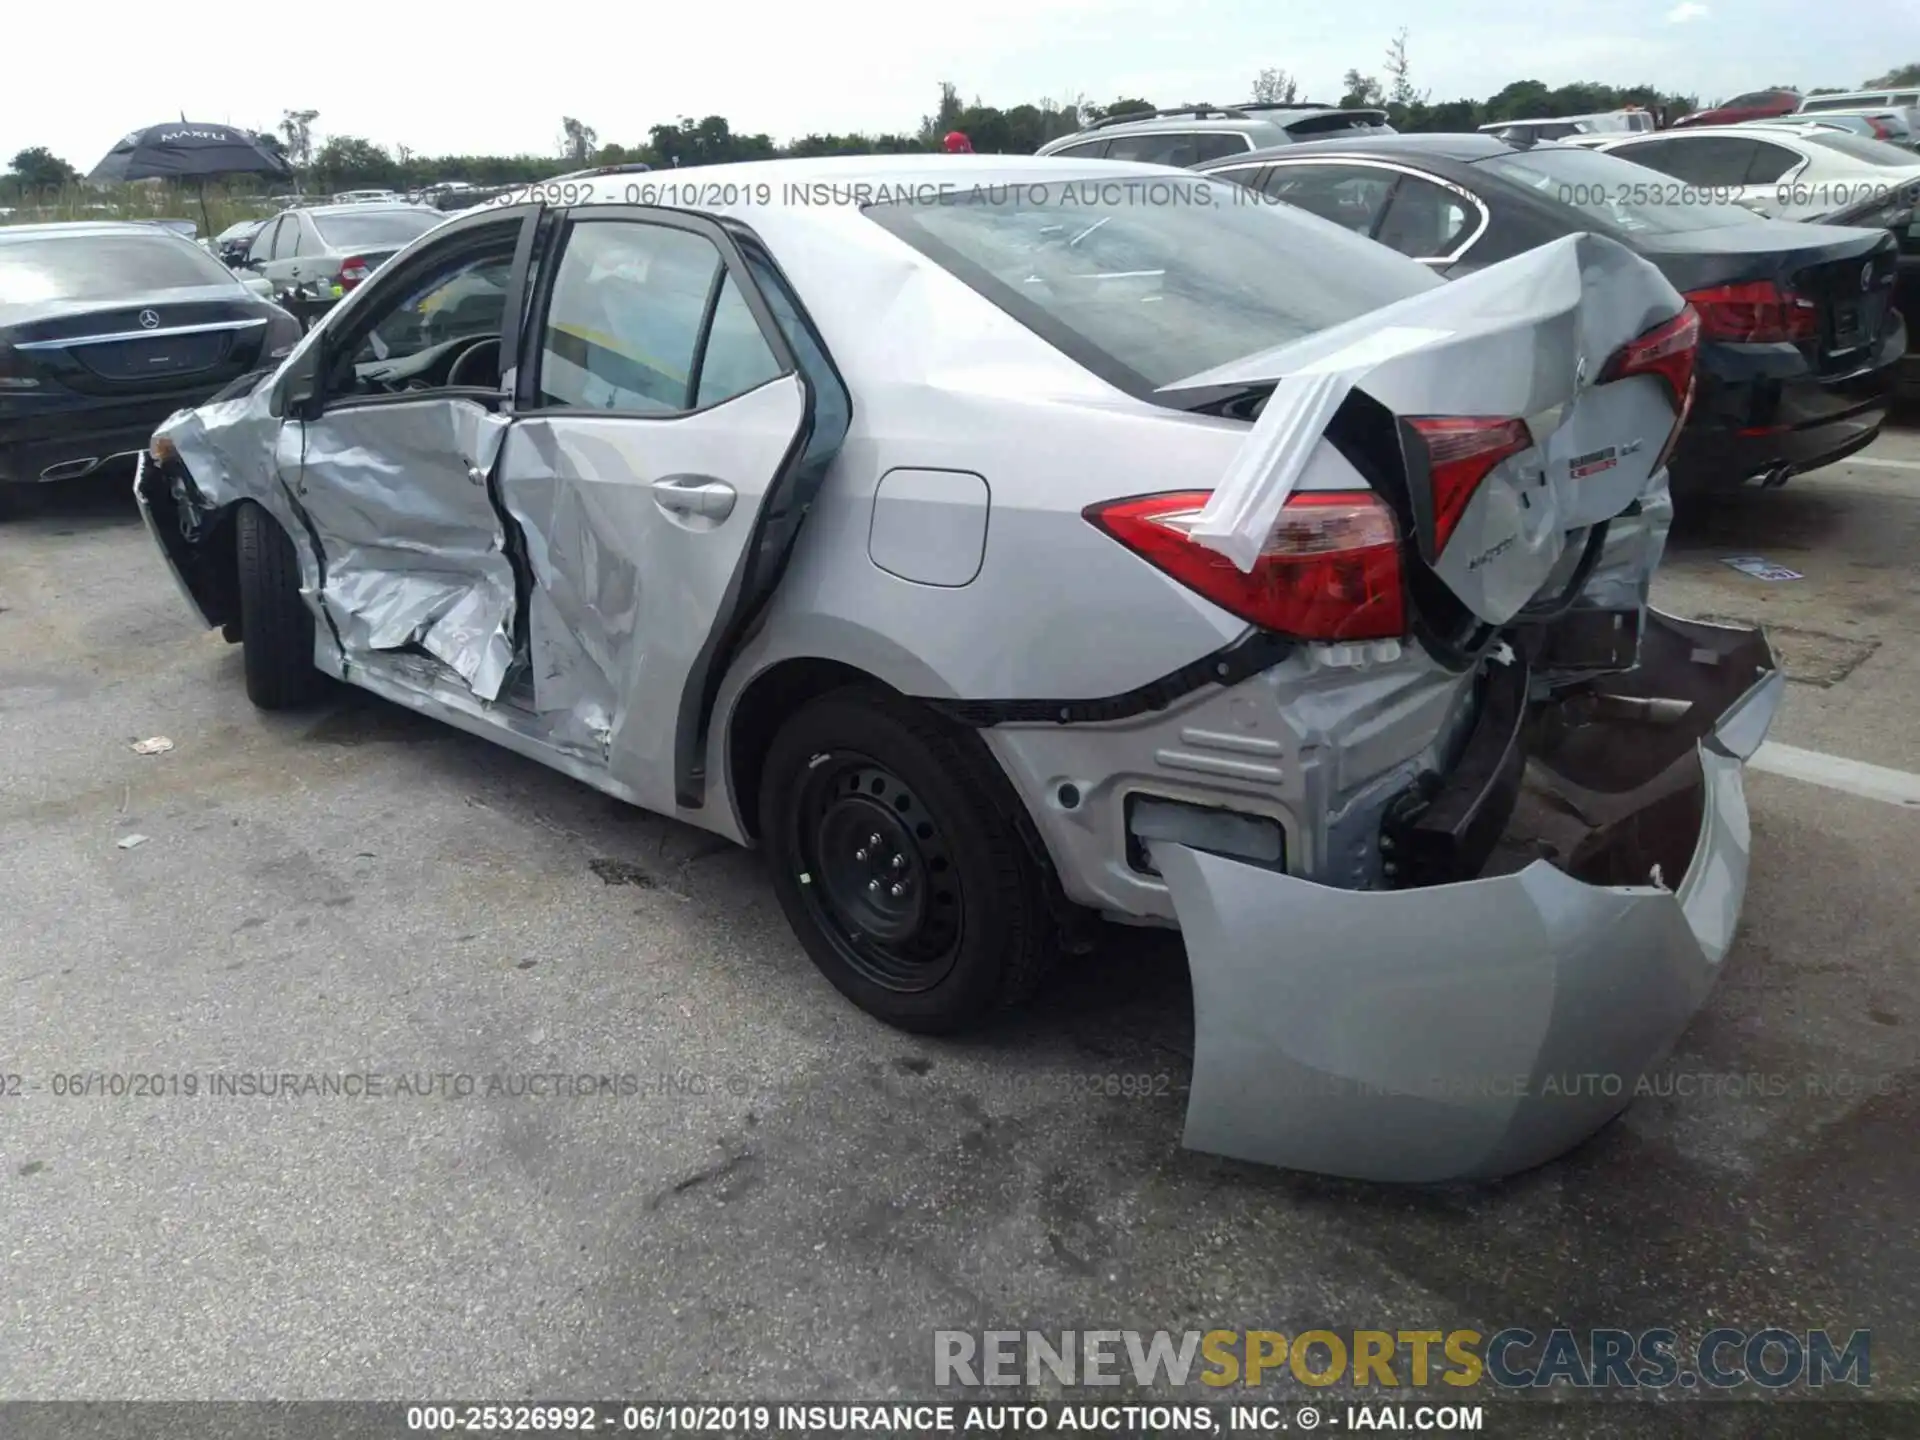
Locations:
795 1197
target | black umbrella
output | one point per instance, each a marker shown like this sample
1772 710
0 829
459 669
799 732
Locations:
189 150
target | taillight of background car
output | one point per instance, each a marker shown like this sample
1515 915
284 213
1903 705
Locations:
352 271
1755 313
1330 570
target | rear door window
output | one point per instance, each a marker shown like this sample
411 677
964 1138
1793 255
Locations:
1159 147
627 319
1769 162
1425 220
1213 147
1085 150
261 246
1717 161
1352 196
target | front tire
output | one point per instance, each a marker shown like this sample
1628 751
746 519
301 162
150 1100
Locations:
898 857
276 627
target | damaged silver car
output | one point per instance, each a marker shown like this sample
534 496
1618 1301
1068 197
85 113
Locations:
998 542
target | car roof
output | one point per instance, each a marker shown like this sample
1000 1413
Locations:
1247 117
1863 95
1458 147
1746 129
76 229
921 172
349 208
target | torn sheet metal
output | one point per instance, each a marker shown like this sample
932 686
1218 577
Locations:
1523 338
415 551
1472 1030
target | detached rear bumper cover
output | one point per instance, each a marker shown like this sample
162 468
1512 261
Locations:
1472 1030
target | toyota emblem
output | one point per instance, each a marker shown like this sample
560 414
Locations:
1866 277
149 320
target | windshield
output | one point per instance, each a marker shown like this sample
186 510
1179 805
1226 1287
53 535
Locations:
1869 152
1614 191
1146 283
102 267
375 227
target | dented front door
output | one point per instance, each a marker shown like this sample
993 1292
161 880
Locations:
392 464
414 552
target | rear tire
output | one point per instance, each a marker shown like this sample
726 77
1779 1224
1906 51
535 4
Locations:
942 922
276 628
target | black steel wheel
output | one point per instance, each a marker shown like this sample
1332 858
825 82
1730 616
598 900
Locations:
897 854
879 879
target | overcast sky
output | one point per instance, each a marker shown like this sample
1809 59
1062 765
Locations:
481 77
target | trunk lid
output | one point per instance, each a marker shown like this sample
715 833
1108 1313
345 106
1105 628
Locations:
159 344
1529 339
1849 274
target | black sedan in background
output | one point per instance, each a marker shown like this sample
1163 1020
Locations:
1898 212
1800 340
105 330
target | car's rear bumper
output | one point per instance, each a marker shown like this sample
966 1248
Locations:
1474 1029
68 443
1760 412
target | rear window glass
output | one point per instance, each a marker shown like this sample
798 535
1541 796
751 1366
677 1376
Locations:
1869 152
1149 282
102 267
1608 189
378 227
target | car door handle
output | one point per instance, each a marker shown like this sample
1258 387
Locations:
694 495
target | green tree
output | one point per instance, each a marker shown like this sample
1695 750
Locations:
577 140
706 142
38 168
1275 87
1400 91
296 128
1126 105
1899 75
1360 92
347 162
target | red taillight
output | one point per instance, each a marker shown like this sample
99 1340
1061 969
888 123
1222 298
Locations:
1668 352
1757 312
352 272
1461 452
1329 571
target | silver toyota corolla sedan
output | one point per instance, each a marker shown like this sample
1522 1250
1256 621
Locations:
997 542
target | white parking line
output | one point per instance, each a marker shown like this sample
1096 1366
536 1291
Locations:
1836 772
1882 464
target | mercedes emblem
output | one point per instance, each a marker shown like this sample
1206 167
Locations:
149 320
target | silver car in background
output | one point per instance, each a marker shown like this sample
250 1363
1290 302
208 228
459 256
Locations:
1002 542
326 250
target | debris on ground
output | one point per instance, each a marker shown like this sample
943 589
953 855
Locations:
1761 568
158 745
621 872
127 842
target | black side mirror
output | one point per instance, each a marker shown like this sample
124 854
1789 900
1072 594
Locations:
297 396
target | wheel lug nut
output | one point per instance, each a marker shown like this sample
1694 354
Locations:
873 841
899 862
873 885
898 891
860 854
